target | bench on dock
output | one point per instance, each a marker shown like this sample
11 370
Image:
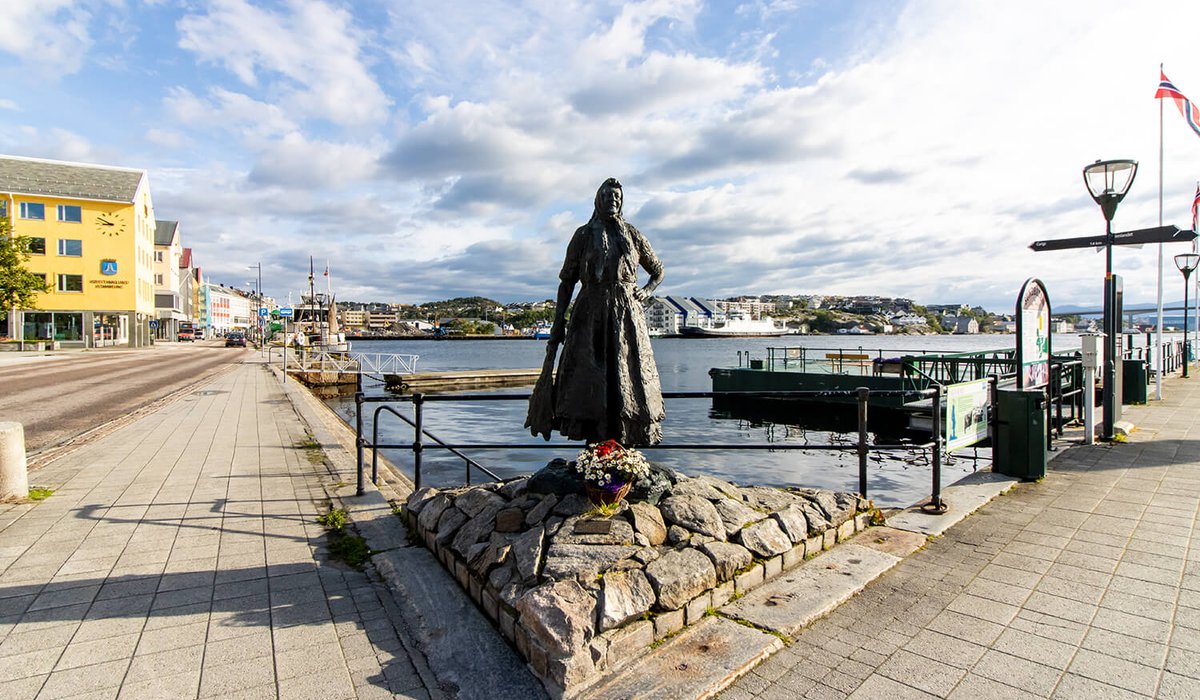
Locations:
839 360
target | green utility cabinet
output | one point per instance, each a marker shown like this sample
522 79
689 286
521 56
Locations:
1133 390
1020 446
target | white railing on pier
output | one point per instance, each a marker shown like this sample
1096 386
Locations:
353 362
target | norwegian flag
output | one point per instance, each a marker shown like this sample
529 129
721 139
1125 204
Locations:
1196 208
1190 112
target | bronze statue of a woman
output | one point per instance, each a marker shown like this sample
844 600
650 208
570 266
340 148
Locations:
607 384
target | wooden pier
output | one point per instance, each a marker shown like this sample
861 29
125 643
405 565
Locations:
465 379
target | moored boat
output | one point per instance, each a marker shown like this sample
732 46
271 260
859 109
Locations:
737 326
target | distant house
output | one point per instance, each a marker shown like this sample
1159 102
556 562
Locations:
960 325
671 314
907 320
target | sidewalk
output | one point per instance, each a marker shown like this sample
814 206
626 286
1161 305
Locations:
1085 585
180 556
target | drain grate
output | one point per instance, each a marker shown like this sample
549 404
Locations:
209 392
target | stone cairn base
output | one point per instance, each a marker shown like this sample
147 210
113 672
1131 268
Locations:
580 595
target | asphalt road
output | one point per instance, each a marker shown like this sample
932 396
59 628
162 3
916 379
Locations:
61 398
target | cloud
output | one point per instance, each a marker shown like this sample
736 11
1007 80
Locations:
296 162
49 35
309 53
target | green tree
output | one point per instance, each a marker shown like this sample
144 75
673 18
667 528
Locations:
18 286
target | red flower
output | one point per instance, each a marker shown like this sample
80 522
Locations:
607 447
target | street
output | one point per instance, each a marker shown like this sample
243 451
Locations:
59 397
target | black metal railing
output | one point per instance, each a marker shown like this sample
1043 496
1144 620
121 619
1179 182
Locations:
424 440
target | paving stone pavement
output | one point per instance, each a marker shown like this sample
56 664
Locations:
180 556
1083 585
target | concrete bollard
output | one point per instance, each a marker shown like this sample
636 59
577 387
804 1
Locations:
14 476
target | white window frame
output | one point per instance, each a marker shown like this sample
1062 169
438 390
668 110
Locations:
63 209
27 207
61 284
62 247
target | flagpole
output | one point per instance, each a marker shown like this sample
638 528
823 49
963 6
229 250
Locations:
1159 324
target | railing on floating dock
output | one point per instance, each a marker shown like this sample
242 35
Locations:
908 370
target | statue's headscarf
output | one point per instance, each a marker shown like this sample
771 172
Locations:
612 182
609 232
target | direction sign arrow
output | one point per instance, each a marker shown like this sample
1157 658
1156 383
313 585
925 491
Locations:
1158 234
1065 243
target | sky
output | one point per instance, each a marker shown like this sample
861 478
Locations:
424 150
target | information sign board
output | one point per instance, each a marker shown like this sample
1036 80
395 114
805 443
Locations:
285 311
966 413
1033 335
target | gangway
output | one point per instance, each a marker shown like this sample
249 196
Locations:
377 364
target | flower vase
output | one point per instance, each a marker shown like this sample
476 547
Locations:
609 494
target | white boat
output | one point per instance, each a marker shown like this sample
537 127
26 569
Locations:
738 326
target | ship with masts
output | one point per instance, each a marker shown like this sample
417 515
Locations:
315 326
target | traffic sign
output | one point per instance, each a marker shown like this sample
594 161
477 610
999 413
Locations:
1158 234
154 324
263 312
285 311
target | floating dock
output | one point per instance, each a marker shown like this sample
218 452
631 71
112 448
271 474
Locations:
465 379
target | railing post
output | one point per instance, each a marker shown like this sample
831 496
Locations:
358 439
863 394
935 499
418 401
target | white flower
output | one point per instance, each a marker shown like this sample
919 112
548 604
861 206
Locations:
602 462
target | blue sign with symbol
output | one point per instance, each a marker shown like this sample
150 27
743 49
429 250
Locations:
263 312
154 324
285 312
108 267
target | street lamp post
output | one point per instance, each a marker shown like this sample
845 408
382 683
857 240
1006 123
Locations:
258 308
1186 262
1108 181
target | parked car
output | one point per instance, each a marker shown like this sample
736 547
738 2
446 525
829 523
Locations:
235 340
186 334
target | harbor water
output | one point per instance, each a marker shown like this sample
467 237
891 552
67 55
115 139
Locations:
895 478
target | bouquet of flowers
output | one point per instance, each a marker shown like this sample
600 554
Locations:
608 463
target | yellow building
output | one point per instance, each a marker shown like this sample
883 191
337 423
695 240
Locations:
93 240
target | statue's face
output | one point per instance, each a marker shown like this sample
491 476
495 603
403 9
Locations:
610 201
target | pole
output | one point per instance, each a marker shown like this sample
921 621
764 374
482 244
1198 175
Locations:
863 393
936 504
1110 337
262 331
1186 275
1159 323
1089 404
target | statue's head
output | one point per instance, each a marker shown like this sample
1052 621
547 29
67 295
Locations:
609 200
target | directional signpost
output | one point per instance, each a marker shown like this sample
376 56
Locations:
1158 234
1112 294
